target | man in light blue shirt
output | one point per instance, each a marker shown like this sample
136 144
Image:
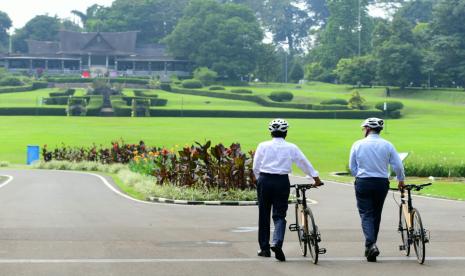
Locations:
369 163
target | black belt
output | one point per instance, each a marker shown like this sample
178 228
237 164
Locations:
272 174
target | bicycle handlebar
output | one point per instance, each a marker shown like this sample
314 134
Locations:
306 186
416 187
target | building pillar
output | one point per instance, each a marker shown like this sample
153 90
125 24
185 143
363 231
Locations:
46 64
89 62
30 64
80 64
116 65
150 66
63 66
133 65
106 62
7 64
165 67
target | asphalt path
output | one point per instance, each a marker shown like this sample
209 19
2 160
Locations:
69 223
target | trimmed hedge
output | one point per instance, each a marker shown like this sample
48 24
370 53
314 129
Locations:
11 81
165 87
216 88
31 111
242 91
12 89
390 106
281 96
330 107
67 92
335 101
153 101
94 106
142 93
39 85
192 84
120 107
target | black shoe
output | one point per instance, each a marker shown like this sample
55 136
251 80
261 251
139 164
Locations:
372 253
278 253
264 253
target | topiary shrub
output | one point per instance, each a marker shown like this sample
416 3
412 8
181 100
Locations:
395 114
242 91
213 88
390 106
11 81
192 84
281 96
335 101
165 86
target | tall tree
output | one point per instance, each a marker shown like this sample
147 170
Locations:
41 27
399 59
268 63
449 41
223 37
417 11
5 25
155 19
346 34
289 21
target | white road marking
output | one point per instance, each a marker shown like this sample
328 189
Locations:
10 178
215 260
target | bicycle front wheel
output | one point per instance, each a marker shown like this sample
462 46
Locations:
418 236
302 229
404 232
313 237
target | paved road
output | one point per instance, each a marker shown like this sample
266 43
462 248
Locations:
66 223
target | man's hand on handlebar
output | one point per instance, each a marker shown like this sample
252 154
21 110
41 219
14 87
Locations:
317 181
401 185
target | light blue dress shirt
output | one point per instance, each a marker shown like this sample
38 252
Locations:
371 157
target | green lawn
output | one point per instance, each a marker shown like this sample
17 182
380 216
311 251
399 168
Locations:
430 129
30 98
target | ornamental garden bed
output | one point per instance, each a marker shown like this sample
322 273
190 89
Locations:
199 172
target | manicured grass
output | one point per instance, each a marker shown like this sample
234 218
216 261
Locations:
192 102
429 129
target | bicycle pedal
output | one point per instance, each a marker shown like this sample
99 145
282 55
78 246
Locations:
427 236
322 251
293 227
402 247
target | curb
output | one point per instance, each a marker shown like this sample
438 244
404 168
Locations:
208 203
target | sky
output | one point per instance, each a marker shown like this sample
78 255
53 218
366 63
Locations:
21 11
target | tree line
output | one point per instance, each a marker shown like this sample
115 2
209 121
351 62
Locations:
421 43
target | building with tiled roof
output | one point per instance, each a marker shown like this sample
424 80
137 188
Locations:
115 54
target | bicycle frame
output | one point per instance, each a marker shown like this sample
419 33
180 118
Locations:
407 207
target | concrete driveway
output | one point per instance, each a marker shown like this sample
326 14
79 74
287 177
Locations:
69 223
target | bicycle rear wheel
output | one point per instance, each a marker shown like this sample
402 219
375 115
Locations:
404 232
418 236
313 237
302 229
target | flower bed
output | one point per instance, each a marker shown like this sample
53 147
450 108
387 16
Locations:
197 166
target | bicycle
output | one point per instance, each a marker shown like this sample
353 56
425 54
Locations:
410 224
307 230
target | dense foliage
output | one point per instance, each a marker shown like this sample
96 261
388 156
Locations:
197 165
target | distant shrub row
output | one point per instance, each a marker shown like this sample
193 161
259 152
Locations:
281 96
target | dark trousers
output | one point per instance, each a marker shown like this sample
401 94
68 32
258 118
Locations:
273 194
370 194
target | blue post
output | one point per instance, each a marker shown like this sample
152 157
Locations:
32 154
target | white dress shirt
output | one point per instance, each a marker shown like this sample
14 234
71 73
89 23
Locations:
276 157
371 157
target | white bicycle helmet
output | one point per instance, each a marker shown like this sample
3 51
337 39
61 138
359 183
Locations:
278 125
373 123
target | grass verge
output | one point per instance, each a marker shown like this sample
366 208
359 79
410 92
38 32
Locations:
142 186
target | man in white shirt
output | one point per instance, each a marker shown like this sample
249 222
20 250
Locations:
272 163
369 163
